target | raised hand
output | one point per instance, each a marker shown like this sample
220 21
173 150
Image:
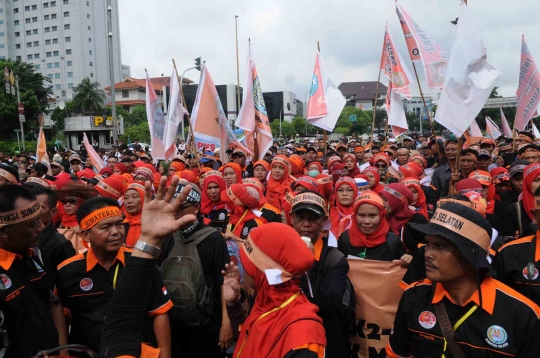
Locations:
231 283
158 218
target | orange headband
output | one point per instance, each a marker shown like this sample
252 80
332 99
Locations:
38 181
20 215
323 181
254 182
262 261
101 214
282 161
525 138
462 227
369 197
411 181
308 198
109 189
136 186
10 177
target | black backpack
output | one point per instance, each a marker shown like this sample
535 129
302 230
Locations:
183 277
346 310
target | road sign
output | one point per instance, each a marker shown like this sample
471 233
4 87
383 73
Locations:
20 108
352 118
21 118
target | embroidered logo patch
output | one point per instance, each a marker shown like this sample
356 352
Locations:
245 231
221 216
427 320
86 284
6 280
497 337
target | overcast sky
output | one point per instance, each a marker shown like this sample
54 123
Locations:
284 35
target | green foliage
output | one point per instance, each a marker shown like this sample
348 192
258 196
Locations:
137 116
342 130
287 129
34 95
89 95
9 147
363 120
139 132
303 127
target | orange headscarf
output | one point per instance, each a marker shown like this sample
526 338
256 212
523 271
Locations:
276 190
342 216
420 205
376 238
134 220
237 170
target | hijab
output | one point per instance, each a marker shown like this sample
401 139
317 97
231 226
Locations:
377 187
276 190
485 179
207 206
421 202
134 220
377 237
342 216
297 166
240 201
356 169
529 175
398 197
237 170
283 250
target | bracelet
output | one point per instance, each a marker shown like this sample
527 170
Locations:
149 249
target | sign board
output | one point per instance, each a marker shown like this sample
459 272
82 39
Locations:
352 118
20 108
21 118
364 105
8 88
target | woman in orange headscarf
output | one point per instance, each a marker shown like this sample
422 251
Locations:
486 180
260 172
419 201
212 207
232 173
374 179
279 183
350 162
341 214
240 201
297 166
133 204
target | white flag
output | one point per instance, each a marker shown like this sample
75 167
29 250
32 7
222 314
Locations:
469 78
492 128
174 117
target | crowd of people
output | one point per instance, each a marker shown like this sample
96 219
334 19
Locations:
196 257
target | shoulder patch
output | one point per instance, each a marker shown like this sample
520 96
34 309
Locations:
70 260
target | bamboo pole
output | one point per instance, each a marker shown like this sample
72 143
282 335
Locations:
193 149
424 101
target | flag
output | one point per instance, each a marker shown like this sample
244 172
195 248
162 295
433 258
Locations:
422 47
156 121
469 78
474 136
325 100
504 124
253 116
174 118
535 131
210 125
528 92
492 129
398 87
41 150
97 162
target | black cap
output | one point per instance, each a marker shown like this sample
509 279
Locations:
517 167
309 200
194 195
464 227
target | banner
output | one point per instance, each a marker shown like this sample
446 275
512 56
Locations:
210 125
97 162
174 118
325 100
528 92
156 121
504 124
376 284
41 150
492 129
398 87
253 116
469 78
422 47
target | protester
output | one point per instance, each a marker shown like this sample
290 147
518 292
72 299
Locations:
374 179
133 203
232 173
342 212
212 207
260 171
240 200
279 183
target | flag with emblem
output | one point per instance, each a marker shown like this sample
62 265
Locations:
97 162
422 47
210 125
469 78
325 100
528 92
492 129
253 117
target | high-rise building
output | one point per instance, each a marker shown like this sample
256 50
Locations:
66 40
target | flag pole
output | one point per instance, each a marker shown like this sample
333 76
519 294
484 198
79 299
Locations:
424 101
237 69
256 148
377 92
193 151
325 137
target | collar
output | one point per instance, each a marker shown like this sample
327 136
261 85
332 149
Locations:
488 288
317 248
92 260
7 258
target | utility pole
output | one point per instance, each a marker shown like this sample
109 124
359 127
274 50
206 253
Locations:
20 121
111 72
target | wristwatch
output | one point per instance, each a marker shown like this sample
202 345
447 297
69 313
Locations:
149 249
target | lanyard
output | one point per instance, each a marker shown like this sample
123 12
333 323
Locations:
240 221
115 276
458 323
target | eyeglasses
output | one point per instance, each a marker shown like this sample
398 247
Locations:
71 201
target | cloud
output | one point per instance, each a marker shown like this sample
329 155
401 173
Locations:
284 36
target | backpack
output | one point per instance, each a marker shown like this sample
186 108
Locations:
346 310
183 277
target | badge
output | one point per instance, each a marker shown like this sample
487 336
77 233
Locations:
6 280
221 216
86 284
245 231
535 276
427 320
497 336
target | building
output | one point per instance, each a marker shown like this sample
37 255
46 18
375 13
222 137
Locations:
126 71
283 105
415 106
66 40
227 95
131 92
95 127
362 94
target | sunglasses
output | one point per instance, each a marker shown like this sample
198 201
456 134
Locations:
71 201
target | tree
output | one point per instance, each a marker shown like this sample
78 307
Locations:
137 116
303 127
34 95
287 129
140 132
89 95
